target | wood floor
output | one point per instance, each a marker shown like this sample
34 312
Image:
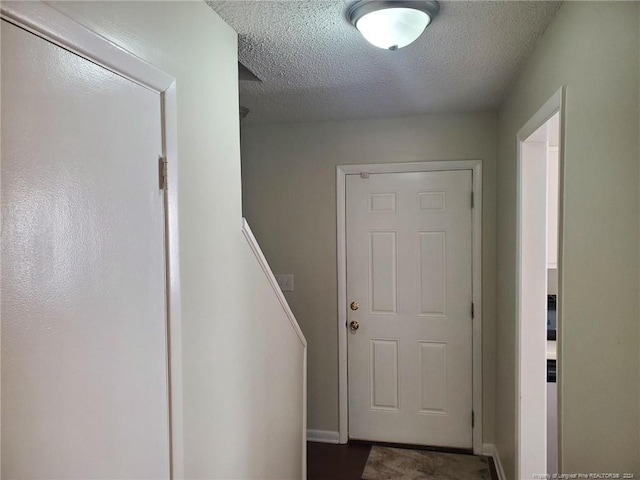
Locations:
327 461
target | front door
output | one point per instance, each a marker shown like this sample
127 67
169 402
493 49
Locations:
409 286
84 346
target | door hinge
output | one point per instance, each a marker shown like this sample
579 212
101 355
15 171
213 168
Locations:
473 419
473 202
162 173
364 174
473 310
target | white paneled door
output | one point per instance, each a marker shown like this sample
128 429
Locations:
409 289
84 345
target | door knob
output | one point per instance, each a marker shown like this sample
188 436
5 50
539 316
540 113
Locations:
354 306
354 326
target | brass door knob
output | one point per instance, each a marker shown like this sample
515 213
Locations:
354 306
354 326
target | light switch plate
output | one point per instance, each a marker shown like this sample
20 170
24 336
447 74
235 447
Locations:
285 281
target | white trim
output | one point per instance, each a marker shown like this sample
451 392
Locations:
46 22
341 173
553 105
490 450
305 433
257 251
262 261
323 436
172 234
343 383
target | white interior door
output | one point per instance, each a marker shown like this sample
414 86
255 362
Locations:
84 350
409 256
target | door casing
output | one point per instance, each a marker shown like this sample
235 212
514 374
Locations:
430 166
46 22
530 405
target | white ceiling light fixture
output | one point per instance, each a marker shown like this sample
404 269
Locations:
392 24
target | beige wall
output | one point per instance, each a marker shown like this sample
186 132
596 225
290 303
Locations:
242 361
592 47
289 197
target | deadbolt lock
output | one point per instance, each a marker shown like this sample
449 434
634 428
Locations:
354 326
354 306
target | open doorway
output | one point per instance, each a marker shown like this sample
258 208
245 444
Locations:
538 273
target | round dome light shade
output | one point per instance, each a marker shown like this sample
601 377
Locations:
393 28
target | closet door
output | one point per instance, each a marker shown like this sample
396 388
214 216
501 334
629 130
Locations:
84 347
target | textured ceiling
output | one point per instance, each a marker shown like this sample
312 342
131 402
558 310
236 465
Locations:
315 66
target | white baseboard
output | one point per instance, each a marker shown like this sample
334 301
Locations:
323 436
490 450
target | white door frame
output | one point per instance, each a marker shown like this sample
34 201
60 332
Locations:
431 166
48 23
529 398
